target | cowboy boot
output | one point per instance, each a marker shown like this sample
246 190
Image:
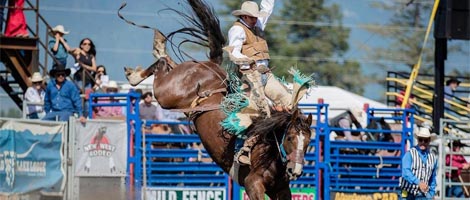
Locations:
277 93
244 155
257 95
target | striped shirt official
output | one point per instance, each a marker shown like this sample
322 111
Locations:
422 170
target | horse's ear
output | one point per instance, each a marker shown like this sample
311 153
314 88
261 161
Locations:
295 114
309 119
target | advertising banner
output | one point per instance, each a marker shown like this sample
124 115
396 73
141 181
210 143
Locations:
101 148
364 196
297 194
185 193
31 156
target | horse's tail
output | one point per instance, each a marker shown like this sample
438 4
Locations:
205 27
211 28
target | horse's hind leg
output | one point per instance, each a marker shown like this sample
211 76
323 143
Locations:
254 187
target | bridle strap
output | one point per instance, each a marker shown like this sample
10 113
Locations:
280 148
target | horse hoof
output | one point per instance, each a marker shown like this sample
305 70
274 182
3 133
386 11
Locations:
244 160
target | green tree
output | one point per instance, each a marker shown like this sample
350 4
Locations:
405 32
309 35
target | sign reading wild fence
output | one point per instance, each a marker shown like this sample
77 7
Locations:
31 156
101 148
185 193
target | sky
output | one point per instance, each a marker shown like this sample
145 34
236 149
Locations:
120 44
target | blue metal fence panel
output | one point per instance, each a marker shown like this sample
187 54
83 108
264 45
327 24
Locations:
171 160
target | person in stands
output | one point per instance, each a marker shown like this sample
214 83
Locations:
458 161
62 98
35 95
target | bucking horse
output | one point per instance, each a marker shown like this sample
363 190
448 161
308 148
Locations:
197 88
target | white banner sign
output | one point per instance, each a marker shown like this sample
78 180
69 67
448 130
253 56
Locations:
101 148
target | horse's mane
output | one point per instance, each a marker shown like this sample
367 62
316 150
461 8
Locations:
266 129
204 25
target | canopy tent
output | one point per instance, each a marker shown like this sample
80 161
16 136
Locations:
338 99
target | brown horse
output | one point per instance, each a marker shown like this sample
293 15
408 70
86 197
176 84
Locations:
198 88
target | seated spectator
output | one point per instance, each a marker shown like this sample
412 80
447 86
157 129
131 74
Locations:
457 161
109 112
35 94
346 120
400 98
101 77
62 98
148 111
451 86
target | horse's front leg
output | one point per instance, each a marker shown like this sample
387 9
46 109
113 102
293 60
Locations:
282 194
254 187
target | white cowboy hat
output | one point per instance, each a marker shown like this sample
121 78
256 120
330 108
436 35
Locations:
36 77
112 84
423 132
250 8
60 29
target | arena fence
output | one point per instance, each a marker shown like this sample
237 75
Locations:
449 176
173 163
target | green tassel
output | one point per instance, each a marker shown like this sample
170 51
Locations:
300 78
232 124
233 103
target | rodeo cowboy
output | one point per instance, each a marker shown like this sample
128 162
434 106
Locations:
249 51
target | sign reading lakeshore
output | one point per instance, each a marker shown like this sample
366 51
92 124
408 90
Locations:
185 193
31 156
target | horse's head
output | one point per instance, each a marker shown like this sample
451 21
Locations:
295 142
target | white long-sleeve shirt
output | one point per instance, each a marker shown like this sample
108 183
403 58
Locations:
237 36
34 96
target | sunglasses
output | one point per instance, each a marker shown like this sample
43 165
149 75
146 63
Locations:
60 74
37 83
425 140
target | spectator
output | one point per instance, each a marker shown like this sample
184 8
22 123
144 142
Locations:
101 77
346 120
148 111
109 112
85 62
16 21
419 167
62 98
59 46
451 86
400 98
3 4
457 161
35 94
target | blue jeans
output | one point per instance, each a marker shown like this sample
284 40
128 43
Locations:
454 191
58 116
418 197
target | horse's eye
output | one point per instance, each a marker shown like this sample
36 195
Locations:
289 139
